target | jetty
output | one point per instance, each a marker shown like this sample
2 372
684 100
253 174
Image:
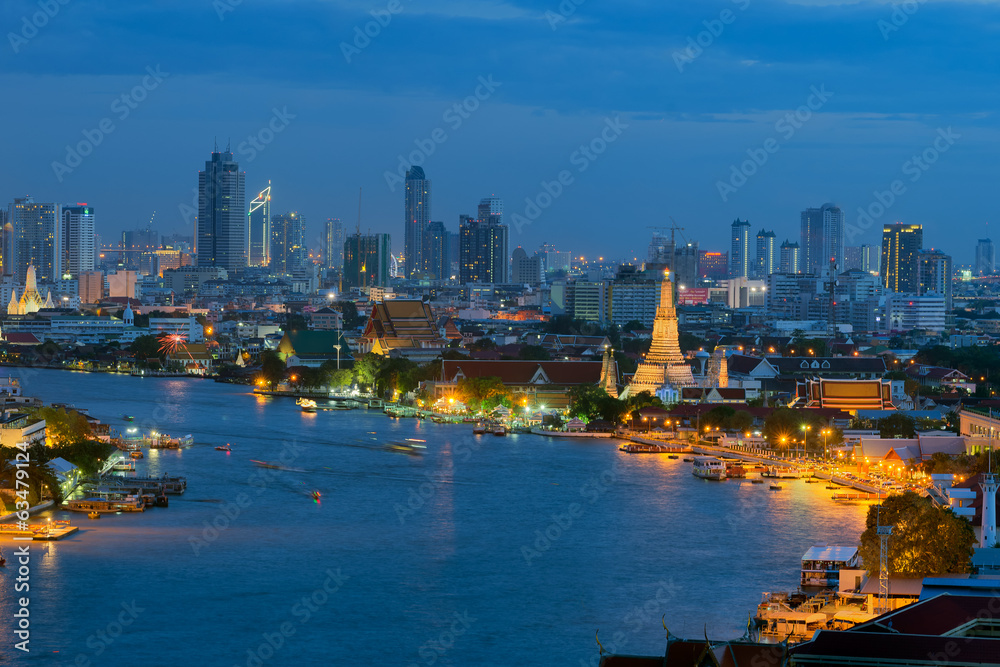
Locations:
45 532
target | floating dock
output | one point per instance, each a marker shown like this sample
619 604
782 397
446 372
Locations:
39 532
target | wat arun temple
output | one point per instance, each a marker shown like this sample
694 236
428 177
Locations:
664 364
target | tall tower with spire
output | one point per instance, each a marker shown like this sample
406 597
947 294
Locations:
664 363
989 485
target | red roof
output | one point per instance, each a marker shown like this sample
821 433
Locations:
522 372
21 338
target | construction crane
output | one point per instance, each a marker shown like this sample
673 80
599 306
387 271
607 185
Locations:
674 228
150 223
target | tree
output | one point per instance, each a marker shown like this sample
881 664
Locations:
483 393
718 417
926 539
896 426
341 378
368 368
352 320
63 427
145 347
633 325
272 367
533 353
741 421
295 322
39 477
592 402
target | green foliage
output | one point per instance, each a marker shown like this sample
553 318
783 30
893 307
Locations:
352 320
295 322
533 353
272 368
926 539
62 427
787 423
592 402
41 480
633 325
341 378
87 455
896 425
368 368
483 393
691 342
145 347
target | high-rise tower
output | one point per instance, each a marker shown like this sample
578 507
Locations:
333 240
222 225
288 247
260 228
822 231
985 258
739 255
767 254
417 214
38 239
78 239
900 244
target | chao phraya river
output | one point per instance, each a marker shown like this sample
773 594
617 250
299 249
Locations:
485 551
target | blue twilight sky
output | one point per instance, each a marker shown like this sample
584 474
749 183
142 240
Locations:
697 88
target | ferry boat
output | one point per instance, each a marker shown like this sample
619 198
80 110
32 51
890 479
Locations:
307 404
136 454
499 430
106 505
735 470
479 429
778 472
225 448
641 448
128 418
709 467
124 465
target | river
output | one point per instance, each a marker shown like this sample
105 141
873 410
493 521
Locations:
485 551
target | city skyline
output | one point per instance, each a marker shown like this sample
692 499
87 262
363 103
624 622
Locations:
531 125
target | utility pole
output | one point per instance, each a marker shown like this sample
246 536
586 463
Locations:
884 533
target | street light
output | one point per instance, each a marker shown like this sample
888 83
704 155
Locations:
805 431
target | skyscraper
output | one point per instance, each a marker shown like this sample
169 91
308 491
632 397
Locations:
437 255
862 257
222 227
333 240
288 243
491 210
417 206
900 244
739 255
38 240
526 270
822 237
366 260
259 228
483 248
985 258
767 254
935 273
78 239
790 261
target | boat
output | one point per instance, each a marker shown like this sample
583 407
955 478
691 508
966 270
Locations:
709 467
136 454
642 448
307 404
225 448
689 460
672 456
405 448
832 487
128 418
778 472
94 515
735 470
3 559
106 505
776 487
499 430
479 429
756 481
124 465
812 481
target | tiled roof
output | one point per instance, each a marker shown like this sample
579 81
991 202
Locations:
522 372
821 365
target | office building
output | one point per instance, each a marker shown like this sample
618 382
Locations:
417 205
437 251
935 274
333 242
259 228
739 254
367 259
822 238
288 243
985 258
900 244
790 260
525 270
483 249
78 239
713 265
767 254
38 231
906 312
222 225
90 286
863 258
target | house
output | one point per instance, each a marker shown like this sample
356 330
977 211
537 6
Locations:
715 395
327 319
861 368
937 376
821 565
313 348
543 382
